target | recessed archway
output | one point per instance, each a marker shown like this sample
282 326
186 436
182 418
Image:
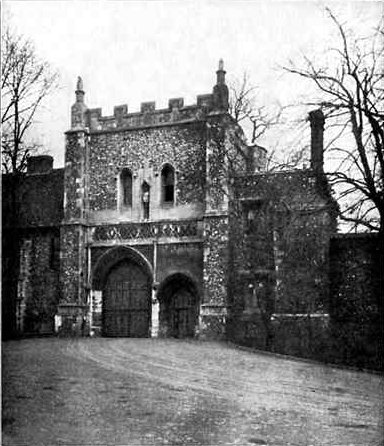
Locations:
125 278
179 307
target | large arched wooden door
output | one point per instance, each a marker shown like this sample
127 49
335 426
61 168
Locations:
126 301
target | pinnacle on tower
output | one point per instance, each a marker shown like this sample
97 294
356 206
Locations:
220 90
79 90
220 73
78 108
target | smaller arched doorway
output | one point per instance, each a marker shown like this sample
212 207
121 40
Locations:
179 307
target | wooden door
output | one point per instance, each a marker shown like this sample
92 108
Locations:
126 302
183 314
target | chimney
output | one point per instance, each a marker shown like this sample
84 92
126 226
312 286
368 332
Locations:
220 90
316 118
39 164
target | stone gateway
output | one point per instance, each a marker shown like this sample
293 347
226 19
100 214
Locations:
164 222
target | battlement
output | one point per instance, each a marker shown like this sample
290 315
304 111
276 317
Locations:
149 115
83 117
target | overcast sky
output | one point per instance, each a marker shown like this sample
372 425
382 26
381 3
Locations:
134 51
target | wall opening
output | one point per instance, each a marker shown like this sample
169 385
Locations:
168 184
126 187
179 307
126 308
121 293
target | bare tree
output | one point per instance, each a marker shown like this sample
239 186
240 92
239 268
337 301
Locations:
351 93
251 115
25 83
258 120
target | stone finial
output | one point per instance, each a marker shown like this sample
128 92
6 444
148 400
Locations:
79 85
78 108
79 90
220 90
220 73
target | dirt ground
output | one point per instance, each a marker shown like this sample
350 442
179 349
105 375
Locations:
169 392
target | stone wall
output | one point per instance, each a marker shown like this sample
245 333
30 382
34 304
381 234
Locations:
40 199
226 155
74 236
72 308
184 258
37 287
356 301
281 226
213 315
71 271
38 281
32 210
75 178
145 152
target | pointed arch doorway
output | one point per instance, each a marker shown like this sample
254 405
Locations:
126 302
125 279
179 307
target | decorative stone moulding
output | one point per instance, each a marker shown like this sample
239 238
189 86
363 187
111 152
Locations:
142 231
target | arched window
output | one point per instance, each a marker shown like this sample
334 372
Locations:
126 187
168 184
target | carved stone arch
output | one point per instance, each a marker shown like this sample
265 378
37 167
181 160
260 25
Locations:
184 275
168 164
125 278
179 300
112 257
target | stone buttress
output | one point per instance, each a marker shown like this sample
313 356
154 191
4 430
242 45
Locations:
72 309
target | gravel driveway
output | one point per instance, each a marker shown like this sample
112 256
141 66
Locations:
155 392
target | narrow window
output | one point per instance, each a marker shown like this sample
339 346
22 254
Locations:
54 260
126 187
168 184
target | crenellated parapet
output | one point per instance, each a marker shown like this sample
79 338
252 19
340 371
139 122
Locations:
84 118
149 115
